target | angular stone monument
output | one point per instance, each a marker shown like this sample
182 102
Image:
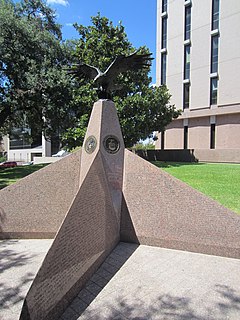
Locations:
114 196
160 210
91 228
122 197
35 206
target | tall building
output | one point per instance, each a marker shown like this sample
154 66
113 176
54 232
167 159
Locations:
198 58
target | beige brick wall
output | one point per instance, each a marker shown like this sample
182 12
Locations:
228 131
199 133
174 135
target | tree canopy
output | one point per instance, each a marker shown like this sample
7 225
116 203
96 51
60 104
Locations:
34 89
37 92
142 108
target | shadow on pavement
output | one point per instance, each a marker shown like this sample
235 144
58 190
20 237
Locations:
12 291
169 307
99 280
223 301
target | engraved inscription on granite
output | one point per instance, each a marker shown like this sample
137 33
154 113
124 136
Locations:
111 144
90 144
90 229
77 248
114 177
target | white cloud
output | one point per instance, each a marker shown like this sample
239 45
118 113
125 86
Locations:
69 24
62 2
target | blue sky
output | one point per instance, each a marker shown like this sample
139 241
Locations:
137 16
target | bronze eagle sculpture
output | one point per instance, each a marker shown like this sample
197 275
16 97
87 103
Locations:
105 80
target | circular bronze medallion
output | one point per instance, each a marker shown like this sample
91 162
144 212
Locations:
111 144
90 144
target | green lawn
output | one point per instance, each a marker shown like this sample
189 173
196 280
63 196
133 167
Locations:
11 175
219 181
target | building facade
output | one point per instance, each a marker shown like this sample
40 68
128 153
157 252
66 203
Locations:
22 150
198 59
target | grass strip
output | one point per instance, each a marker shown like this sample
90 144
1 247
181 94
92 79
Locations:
219 181
9 176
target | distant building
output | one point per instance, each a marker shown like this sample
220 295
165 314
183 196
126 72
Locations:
20 146
198 58
3 146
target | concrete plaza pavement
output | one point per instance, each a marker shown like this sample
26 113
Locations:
134 282
19 263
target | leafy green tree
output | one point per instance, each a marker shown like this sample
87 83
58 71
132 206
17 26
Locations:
142 108
34 88
36 92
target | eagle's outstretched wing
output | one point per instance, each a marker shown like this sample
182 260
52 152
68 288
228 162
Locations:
105 81
132 62
83 70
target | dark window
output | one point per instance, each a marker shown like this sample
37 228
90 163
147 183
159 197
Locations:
186 89
162 140
164 32
212 136
164 5
187 33
215 14
187 62
163 68
21 138
213 91
214 54
185 142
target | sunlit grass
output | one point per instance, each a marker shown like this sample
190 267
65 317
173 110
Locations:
9 176
219 181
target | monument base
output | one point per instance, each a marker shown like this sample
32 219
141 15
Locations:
91 228
160 210
109 194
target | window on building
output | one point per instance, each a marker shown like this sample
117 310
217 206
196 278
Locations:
164 5
162 140
186 95
185 138
212 136
164 33
187 33
163 68
21 138
213 91
187 62
214 54
215 14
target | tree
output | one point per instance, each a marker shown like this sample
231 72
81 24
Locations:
37 93
34 88
141 108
